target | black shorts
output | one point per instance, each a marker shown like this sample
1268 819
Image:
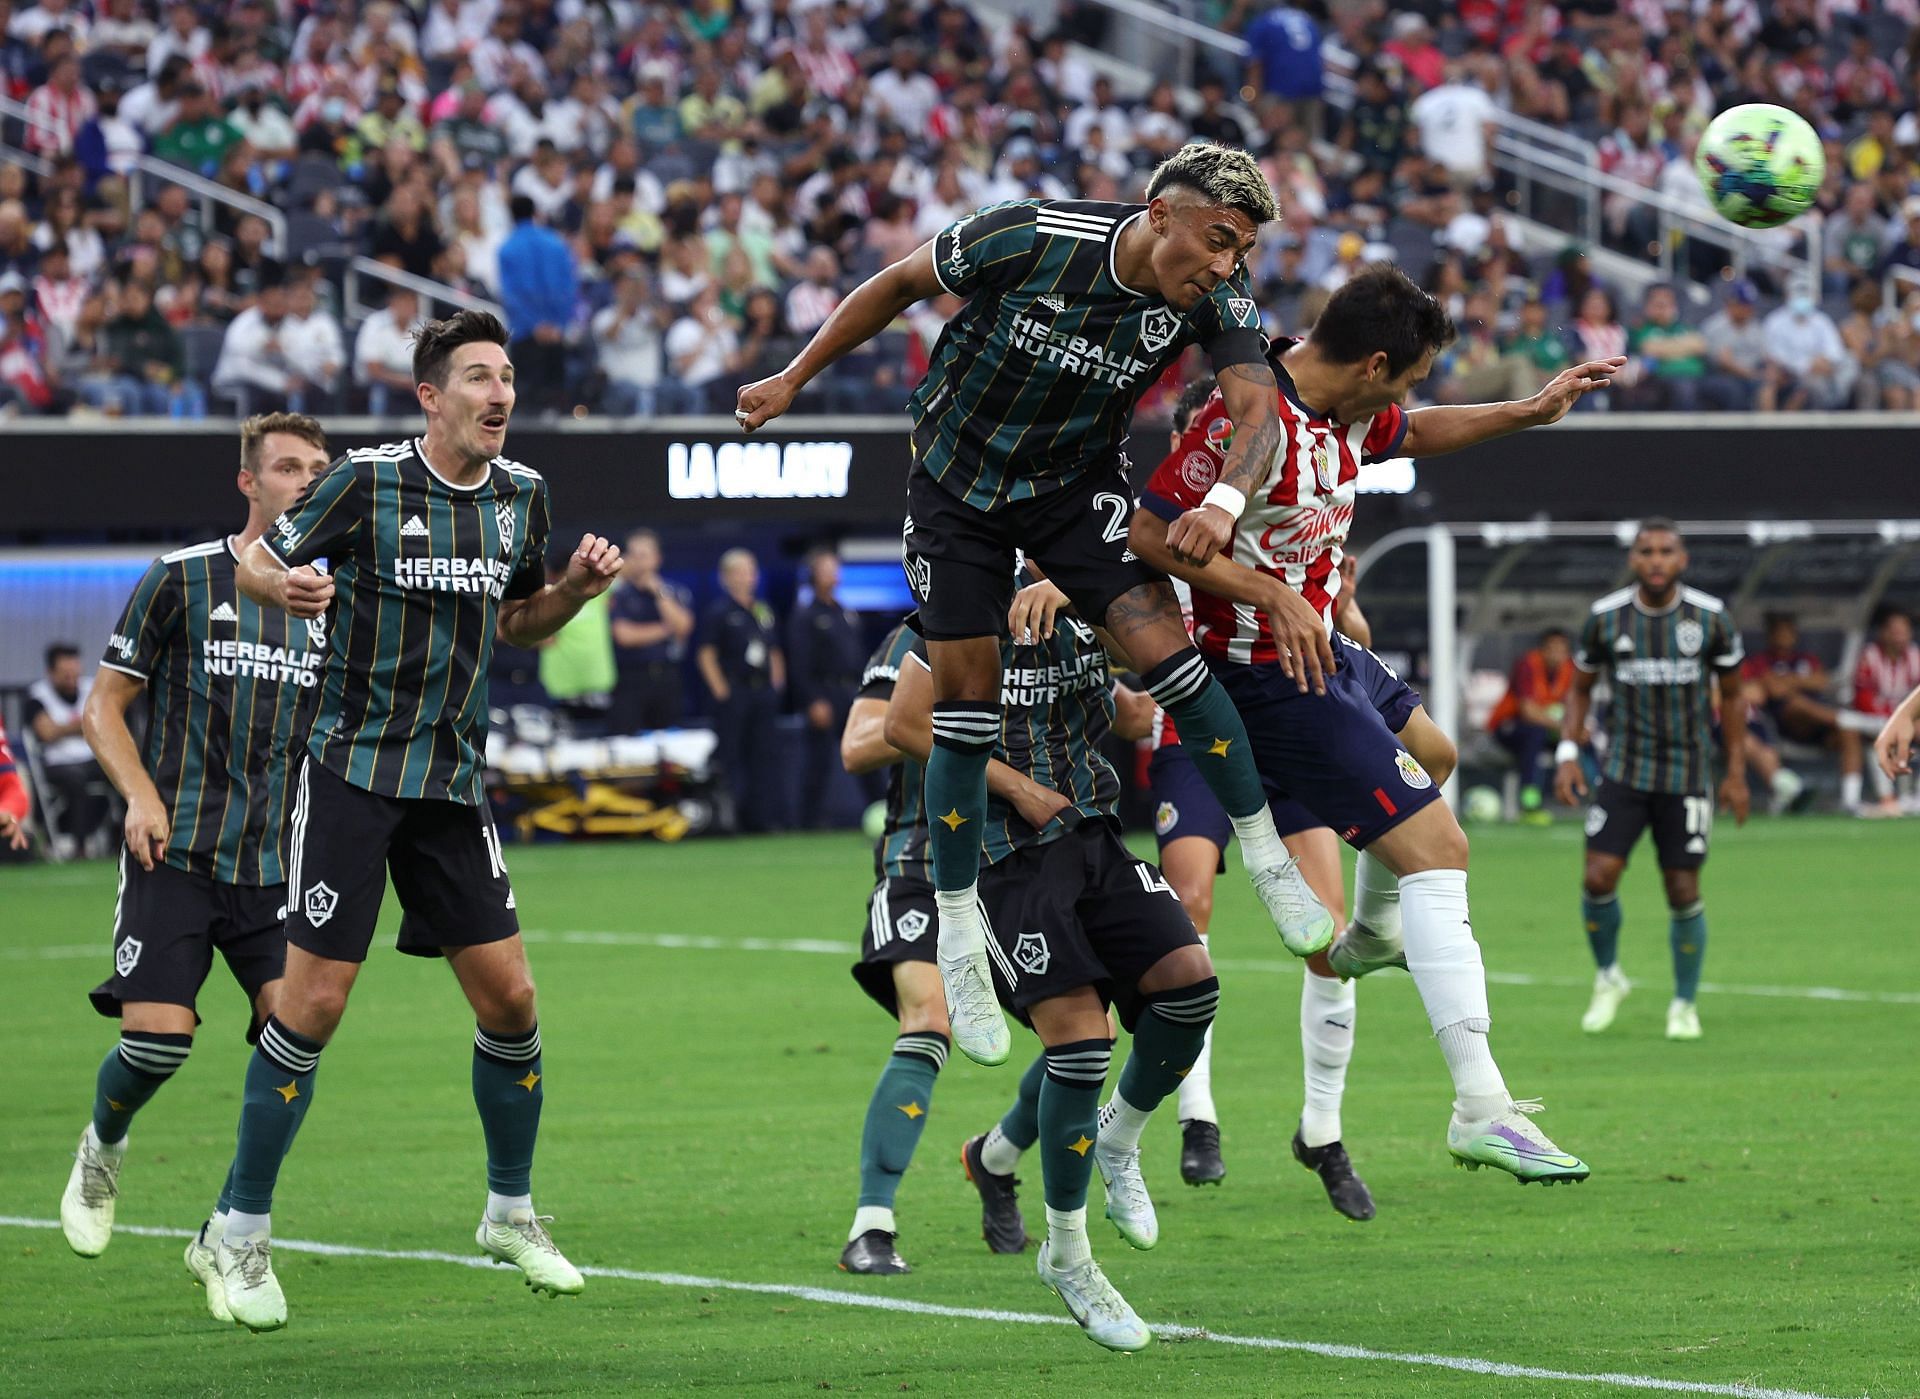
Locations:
1079 911
166 925
444 857
959 560
1682 824
903 925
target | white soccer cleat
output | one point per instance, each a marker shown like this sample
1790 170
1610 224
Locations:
973 1011
1610 987
251 1291
1360 950
1093 1302
1128 1204
524 1242
1683 1021
1304 924
86 1209
1510 1142
203 1262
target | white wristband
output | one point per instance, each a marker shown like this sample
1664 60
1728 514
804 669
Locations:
1225 497
1567 752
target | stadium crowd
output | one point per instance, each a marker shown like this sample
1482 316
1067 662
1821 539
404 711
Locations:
667 198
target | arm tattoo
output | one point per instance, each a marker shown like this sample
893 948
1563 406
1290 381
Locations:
1254 445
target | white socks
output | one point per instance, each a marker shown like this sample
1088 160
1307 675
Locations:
1260 843
1067 1237
499 1207
1196 1089
1121 1124
1326 1047
1445 963
1850 791
870 1217
962 933
247 1226
112 1151
1376 898
998 1154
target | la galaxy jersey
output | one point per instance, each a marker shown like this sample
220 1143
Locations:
1660 667
230 685
1056 709
1032 384
901 852
420 567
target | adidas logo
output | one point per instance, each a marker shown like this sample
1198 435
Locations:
1053 303
223 613
413 529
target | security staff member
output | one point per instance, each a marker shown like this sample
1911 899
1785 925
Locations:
825 654
652 620
740 659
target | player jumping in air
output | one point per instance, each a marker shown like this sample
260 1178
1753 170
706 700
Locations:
204 868
1340 397
1019 441
1661 645
435 545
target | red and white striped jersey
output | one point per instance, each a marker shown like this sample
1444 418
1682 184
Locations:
1296 522
1881 681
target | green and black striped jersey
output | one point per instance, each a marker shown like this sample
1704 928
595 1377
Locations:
1033 383
901 851
420 567
230 688
1659 667
1056 709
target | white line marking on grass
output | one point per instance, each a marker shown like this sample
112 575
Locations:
833 1297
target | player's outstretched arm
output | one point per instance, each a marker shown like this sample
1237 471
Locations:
1251 395
590 572
104 721
305 591
869 309
1431 431
1893 749
1569 783
909 728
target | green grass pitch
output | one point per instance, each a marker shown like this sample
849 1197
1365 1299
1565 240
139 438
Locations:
1751 1219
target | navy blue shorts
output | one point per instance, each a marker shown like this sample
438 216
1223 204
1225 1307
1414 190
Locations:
1336 754
1184 805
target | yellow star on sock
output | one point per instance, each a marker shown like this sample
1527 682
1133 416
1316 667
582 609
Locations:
117 1107
913 1110
1184 1072
953 820
290 1092
1081 1147
528 1082
1220 747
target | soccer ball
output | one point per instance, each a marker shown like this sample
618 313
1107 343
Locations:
873 821
1483 805
1760 165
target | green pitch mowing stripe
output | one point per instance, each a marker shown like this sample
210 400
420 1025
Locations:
827 1296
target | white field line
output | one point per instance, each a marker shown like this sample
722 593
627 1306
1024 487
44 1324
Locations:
1467 1364
830 947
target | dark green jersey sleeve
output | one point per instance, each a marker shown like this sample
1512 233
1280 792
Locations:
1724 649
323 522
147 623
988 250
1591 654
530 569
1227 324
882 670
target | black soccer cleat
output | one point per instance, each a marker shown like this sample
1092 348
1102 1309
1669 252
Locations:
1345 1190
873 1253
1000 1222
1200 1162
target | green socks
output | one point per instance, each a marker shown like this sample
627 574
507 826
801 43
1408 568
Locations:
897 1114
1602 917
279 1086
507 1091
1688 934
1069 1119
1210 728
132 1073
964 732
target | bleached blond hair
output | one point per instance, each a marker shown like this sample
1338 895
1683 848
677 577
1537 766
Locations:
1226 175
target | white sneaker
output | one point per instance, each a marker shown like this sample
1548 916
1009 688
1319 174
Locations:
86 1210
524 1242
1610 987
1683 1021
1361 950
1304 923
251 1291
1128 1204
973 1011
204 1263
1093 1302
